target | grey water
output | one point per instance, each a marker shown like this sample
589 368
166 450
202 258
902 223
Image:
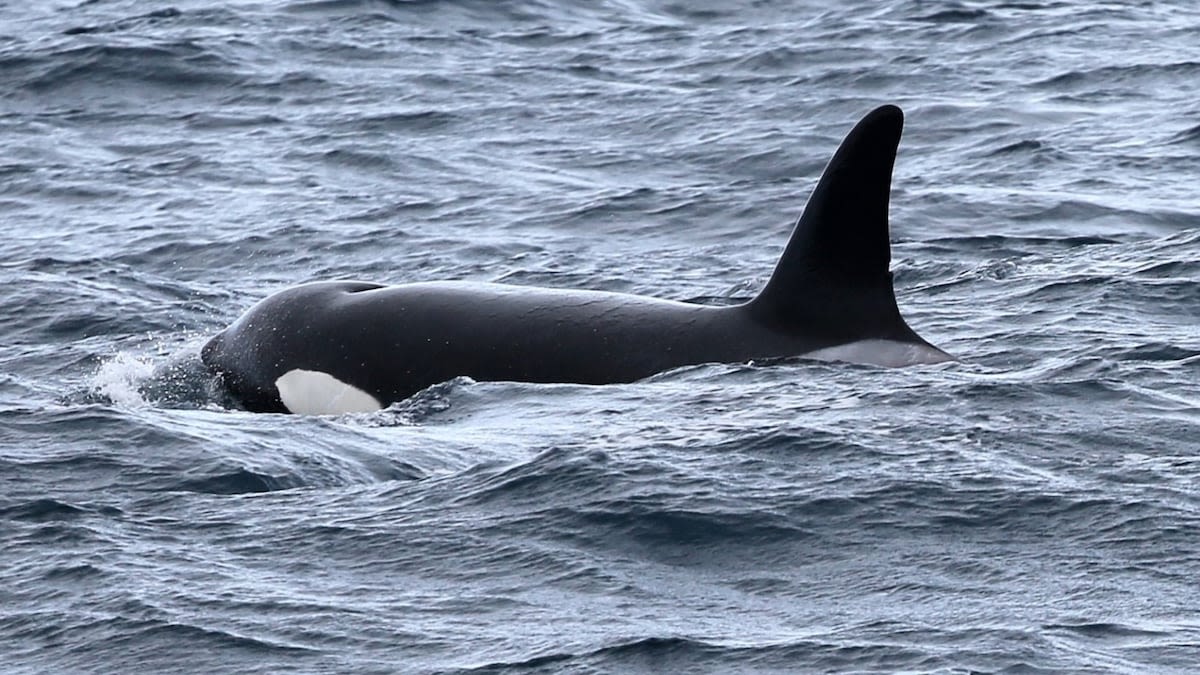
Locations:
1034 507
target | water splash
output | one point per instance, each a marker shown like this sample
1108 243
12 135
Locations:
177 379
119 380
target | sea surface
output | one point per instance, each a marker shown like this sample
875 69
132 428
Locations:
1031 508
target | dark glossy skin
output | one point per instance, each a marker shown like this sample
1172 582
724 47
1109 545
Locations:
393 341
831 287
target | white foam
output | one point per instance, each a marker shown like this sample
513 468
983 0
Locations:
120 378
310 392
886 353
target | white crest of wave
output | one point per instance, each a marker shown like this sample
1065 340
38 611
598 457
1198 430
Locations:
119 380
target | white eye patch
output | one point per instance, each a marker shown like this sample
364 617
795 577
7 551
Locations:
310 392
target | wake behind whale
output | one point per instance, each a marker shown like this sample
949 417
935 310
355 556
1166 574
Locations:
346 346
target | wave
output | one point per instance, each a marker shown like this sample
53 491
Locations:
1103 78
143 21
51 509
178 65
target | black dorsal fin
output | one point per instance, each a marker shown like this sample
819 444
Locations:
833 277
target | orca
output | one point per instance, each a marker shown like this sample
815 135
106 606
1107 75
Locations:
350 346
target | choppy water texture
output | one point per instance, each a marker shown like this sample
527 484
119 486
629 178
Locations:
1034 508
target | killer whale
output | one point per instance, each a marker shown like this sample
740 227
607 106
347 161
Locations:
350 346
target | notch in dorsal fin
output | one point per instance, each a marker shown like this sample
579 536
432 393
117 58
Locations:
833 277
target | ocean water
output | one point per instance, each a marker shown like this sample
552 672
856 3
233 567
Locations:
1034 507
